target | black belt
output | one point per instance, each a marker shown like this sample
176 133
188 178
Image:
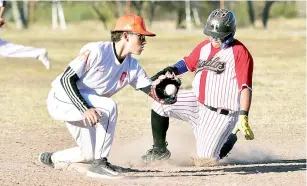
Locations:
220 111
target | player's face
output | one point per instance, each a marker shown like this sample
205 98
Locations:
137 43
216 42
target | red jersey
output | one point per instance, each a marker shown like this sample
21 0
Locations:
220 74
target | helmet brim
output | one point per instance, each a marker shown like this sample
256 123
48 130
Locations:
220 35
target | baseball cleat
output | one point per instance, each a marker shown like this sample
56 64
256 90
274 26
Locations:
45 60
45 158
228 145
156 154
101 168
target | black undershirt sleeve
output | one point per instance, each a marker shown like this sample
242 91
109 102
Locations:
146 90
69 82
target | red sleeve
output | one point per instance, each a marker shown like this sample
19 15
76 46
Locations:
244 65
192 60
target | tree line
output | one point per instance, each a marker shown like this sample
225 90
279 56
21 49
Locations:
187 13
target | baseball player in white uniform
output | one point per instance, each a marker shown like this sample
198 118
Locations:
81 95
219 103
8 49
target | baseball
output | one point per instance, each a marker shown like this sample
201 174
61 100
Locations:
170 89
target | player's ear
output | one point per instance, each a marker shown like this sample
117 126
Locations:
125 36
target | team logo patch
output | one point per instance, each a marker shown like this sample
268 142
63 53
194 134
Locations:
123 77
213 64
215 25
127 27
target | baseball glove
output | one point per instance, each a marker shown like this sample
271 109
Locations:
158 88
170 69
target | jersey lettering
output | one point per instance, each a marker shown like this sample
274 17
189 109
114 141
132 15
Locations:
214 65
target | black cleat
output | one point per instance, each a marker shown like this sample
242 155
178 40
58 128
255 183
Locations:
45 158
228 145
156 154
101 168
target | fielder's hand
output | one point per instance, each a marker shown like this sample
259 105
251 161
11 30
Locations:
243 126
91 116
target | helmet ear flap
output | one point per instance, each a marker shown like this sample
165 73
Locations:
227 41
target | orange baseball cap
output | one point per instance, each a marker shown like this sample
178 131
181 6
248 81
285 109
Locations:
132 23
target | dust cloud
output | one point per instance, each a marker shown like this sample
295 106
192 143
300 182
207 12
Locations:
179 137
244 154
182 146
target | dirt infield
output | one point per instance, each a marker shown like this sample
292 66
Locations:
277 156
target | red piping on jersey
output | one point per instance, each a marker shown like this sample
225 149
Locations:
202 85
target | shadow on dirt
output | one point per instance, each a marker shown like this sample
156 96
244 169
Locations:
173 175
233 162
266 169
127 170
261 167
275 166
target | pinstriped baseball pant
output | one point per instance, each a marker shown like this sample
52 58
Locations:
210 128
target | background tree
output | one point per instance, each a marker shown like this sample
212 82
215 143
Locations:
138 5
266 13
18 15
171 11
251 12
101 17
152 11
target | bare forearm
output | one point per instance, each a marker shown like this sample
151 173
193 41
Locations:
245 99
2 8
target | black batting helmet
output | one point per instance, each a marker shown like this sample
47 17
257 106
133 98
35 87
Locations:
220 24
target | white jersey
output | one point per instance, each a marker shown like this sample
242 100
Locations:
88 82
101 73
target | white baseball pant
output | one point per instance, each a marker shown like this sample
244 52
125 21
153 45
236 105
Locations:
93 142
8 49
210 128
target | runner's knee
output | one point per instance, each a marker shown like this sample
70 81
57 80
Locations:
159 109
